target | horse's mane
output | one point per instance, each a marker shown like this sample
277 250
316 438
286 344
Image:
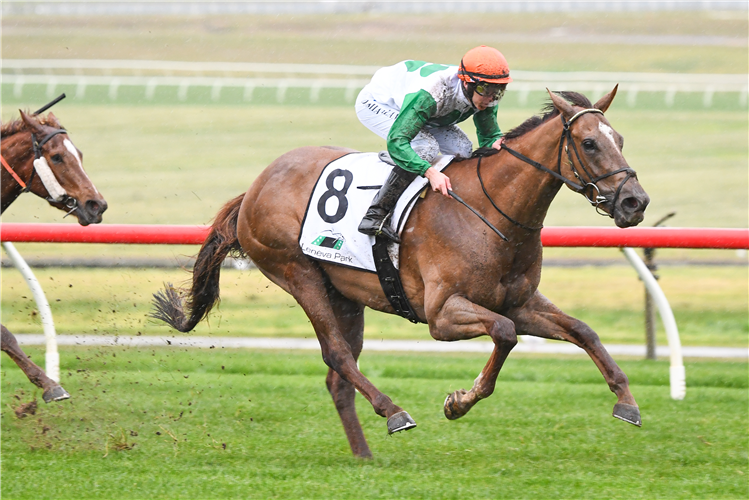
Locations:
549 112
18 125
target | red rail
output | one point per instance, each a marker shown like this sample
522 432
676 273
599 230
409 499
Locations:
638 237
104 233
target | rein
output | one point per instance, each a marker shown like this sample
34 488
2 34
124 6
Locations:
589 189
14 174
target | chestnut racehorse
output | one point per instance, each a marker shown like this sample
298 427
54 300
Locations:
461 278
42 139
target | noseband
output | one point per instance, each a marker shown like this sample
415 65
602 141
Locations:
589 189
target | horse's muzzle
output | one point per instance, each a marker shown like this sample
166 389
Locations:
630 209
91 211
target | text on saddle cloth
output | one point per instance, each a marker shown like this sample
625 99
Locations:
340 199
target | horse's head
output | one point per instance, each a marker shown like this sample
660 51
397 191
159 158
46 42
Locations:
60 177
595 160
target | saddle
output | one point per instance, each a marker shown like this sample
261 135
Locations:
337 204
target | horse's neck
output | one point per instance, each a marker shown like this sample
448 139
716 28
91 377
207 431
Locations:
17 151
526 191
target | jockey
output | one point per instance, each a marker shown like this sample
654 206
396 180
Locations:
415 106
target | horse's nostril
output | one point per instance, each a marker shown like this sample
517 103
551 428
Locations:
630 204
95 208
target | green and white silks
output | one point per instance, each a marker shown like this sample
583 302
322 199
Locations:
416 107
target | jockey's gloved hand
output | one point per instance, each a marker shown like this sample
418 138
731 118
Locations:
439 181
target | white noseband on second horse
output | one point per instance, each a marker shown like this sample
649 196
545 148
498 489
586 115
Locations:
56 192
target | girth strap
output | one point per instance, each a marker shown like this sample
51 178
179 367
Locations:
390 280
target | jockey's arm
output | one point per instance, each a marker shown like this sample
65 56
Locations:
416 111
487 129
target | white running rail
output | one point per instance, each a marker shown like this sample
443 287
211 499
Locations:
52 358
678 374
217 75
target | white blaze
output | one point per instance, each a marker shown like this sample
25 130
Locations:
70 147
608 132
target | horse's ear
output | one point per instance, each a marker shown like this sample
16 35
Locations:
31 122
605 101
562 105
52 120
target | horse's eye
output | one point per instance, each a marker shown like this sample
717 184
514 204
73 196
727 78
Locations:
57 158
589 145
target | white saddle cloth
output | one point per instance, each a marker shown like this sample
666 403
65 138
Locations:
341 197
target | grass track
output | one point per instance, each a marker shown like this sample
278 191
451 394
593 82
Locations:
546 432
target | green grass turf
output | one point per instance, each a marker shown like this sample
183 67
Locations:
709 304
179 423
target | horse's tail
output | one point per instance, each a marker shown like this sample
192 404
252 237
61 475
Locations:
204 294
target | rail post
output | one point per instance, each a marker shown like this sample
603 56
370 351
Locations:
677 371
650 345
52 357
649 255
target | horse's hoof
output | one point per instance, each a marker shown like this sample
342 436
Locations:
453 411
401 421
628 413
56 393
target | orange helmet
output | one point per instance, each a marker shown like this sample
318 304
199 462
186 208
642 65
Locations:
484 64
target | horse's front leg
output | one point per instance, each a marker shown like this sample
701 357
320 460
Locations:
52 390
460 319
540 318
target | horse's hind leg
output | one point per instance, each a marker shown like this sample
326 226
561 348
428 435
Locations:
52 390
541 318
310 287
460 319
350 318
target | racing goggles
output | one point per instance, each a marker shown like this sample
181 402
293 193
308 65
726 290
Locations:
495 91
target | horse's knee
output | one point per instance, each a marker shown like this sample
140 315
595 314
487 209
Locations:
333 359
503 333
585 335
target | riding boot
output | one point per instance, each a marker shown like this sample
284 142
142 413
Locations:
375 222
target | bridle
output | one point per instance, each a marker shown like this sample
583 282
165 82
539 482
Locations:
589 189
48 178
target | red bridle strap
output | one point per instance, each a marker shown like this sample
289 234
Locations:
12 172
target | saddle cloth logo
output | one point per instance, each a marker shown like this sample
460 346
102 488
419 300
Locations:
340 199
